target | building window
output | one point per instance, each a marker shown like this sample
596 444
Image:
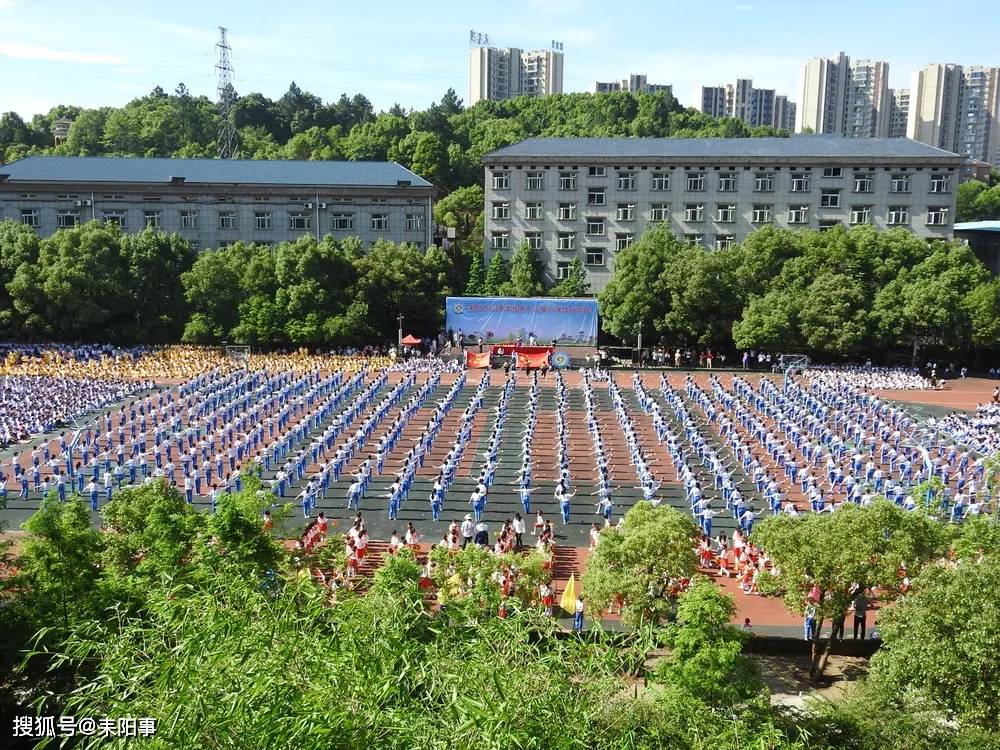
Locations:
532 210
900 183
940 183
414 222
67 219
761 214
862 182
861 214
567 211
623 240
566 240
562 269
727 182
798 214
626 180
380 222
118 218
724 241
535 181
595 196
67 197
833 172
298 220
595 256
725 212
195 244
800 182
829 198
262 219
501 180
27 196
695 180
114 197
29 217
189 219
595 226
626 212
534 240
227 220
694 239
763 182
661 181
567 180
899 215
152 219
596 171
937 216
659 212
825 225
501 210
501 240
342 222
694 212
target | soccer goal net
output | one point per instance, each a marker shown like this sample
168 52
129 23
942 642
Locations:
239 353
797 361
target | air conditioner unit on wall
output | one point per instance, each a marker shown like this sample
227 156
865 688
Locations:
307 205
322 205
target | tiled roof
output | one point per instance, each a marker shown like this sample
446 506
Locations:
83 169
799 146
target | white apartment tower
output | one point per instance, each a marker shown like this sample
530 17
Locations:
742 101
636 83
503 73
845 97
957 108
934 96
899 112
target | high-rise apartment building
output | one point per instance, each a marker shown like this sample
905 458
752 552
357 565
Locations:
956 108
899 110
636 83
845 97
742 101
503 73
784 113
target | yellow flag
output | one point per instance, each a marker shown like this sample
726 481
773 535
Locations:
568 601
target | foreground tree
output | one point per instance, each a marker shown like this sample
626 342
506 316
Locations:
941 642
822 559
635 564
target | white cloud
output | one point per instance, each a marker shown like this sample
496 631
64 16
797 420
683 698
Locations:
6 4
743 8
25 51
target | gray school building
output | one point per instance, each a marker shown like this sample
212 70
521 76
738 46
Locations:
591 197
216 202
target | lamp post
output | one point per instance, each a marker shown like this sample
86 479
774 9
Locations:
399 337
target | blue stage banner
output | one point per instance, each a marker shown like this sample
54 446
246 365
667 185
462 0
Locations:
550 321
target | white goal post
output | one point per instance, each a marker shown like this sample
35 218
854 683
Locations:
791 364
240 353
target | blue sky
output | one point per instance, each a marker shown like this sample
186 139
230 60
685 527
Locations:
105 52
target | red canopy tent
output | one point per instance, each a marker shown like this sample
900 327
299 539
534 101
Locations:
410 340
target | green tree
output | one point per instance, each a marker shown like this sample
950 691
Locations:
58 561
497 275
940 645
837 554
635 562
706 652
476 283
575 284
965 200
525 273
